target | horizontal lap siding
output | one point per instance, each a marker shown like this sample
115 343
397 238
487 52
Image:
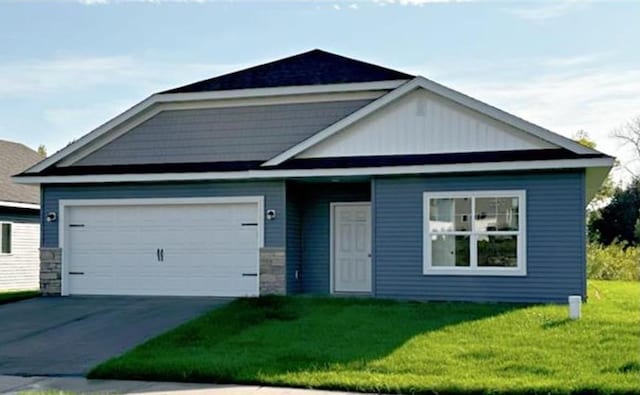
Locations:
221 134
555 239
315 229
294 241
273 192
21 268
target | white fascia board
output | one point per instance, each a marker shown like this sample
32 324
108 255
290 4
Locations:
455 96
203 96
31 206
89 137
341 172
282 91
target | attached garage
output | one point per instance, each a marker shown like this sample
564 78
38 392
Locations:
172 247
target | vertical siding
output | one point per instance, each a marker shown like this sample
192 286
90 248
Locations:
555 239
424 123
315 229
273 192
294 239
21 268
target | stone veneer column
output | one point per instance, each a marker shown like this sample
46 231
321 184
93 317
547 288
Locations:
50 271
273 271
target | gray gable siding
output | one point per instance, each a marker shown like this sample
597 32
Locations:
555 239
221 134
315 212
273 192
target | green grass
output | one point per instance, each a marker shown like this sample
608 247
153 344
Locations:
385 346
14 296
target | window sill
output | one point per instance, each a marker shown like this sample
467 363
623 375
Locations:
516 272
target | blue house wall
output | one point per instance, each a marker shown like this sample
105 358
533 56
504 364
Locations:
273 192
555 239
312 244
555 230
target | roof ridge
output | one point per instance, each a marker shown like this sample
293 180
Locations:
312 67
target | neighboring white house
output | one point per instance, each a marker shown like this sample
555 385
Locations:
19 220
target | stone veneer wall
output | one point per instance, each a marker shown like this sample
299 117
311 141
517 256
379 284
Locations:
273 271
50 271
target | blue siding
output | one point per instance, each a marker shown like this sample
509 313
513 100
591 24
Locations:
315 213
273 191
555 239
294 239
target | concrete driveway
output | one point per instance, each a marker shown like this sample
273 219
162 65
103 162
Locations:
66 336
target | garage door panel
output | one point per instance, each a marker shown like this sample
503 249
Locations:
207 249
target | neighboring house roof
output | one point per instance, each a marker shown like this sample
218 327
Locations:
14 158
315 67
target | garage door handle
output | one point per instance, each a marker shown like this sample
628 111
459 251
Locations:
162 255
76 273
249 274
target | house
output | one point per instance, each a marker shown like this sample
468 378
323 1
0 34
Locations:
318 174
19 220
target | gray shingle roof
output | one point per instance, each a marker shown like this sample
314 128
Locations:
315 67
15 158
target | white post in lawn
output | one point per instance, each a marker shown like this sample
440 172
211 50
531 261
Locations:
575 305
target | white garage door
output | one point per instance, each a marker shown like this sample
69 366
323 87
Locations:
168 249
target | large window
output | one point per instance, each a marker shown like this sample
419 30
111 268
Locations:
475 233
5 238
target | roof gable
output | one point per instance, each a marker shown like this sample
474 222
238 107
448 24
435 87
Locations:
314 67
422 123
465 101
222 134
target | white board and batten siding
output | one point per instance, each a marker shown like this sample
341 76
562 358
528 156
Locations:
20 270
424 123
180 247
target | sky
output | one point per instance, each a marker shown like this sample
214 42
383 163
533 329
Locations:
67 66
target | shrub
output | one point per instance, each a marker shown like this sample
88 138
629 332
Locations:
613 262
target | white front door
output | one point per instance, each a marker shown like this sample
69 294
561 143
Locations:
351 247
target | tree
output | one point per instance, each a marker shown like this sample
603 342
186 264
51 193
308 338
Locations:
42 150
629 135
620 219
607 188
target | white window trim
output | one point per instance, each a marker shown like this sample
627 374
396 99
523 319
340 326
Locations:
11 245
474 270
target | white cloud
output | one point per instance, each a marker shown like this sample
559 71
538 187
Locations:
569 61
53 101
420 2
73 74
547 9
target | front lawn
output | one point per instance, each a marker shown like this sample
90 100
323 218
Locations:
372 345
14 296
